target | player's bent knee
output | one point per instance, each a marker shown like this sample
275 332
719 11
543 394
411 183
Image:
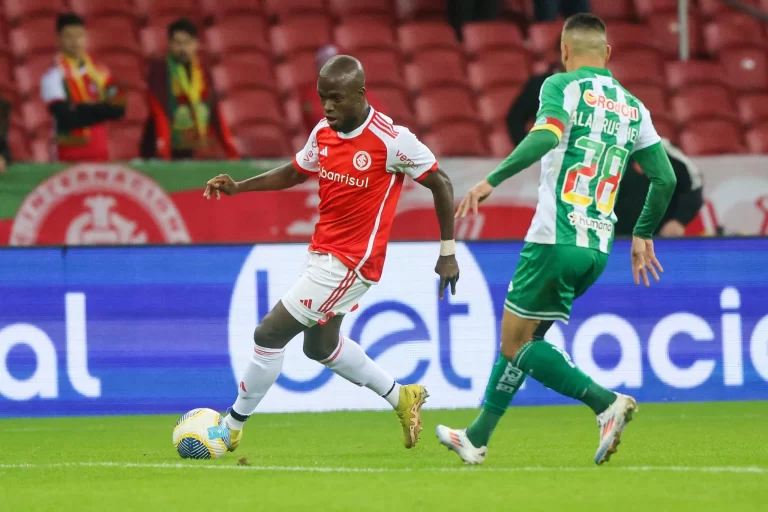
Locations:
516 332
276 329
321 340
510 348
267 338
315 352
318 345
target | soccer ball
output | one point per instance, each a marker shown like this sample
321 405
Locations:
201 434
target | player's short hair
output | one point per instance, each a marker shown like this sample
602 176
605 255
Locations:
68 19
182 25
584 21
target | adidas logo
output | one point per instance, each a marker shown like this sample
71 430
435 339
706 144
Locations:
324 151
308 302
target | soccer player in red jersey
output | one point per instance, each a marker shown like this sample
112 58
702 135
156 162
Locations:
361 160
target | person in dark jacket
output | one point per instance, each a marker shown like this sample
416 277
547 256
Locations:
547 10
525 106
683 208
185 114
468 11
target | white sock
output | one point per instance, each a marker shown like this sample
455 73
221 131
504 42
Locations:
262 371
350 361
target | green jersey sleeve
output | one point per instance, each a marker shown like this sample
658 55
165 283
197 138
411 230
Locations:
557 100
531 149
655 164
647 136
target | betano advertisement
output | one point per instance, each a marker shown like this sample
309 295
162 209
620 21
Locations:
140 330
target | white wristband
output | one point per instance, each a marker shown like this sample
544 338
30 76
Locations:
447 247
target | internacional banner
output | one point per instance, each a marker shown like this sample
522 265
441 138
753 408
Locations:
151 203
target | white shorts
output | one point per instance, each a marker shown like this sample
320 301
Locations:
326 288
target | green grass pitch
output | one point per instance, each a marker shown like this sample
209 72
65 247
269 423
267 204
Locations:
674 457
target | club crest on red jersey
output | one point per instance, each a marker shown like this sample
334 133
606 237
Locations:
361 160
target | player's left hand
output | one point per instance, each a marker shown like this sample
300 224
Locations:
474 197
644 261
222 183
448 269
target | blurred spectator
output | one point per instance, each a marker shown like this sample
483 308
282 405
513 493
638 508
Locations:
524 108
683 208
467 11
311 108
547 10
81 95
184 108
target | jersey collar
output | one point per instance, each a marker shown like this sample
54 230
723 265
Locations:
598 71
357 131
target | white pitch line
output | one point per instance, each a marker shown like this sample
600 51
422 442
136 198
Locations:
326 469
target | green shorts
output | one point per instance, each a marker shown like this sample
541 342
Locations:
549 277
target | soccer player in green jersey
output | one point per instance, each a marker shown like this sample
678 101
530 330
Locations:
586 128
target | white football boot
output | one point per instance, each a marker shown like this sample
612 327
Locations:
612 423
458 441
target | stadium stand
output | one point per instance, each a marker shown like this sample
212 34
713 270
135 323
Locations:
218 10
457 139
295 72
436 68
381 9
753 109
91 9
481 37
499 69
408 10
757 139
229 78
364 35
262 50
703 102
613 10
421 36
383 68
244 34
282 11
18 12
712 137
494 104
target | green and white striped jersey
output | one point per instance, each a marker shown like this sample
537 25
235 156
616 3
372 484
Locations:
599 124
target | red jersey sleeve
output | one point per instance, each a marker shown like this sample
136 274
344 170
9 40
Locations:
407 154
307 160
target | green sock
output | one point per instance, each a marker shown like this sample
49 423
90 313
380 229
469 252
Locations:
554 369
505 380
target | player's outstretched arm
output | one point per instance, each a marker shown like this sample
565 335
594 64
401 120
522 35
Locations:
442 192
285 176
537 144
656 165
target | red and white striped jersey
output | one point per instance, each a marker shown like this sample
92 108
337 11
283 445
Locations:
361 174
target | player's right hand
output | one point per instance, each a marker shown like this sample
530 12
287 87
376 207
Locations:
448 270
474 197
644 260
220 184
